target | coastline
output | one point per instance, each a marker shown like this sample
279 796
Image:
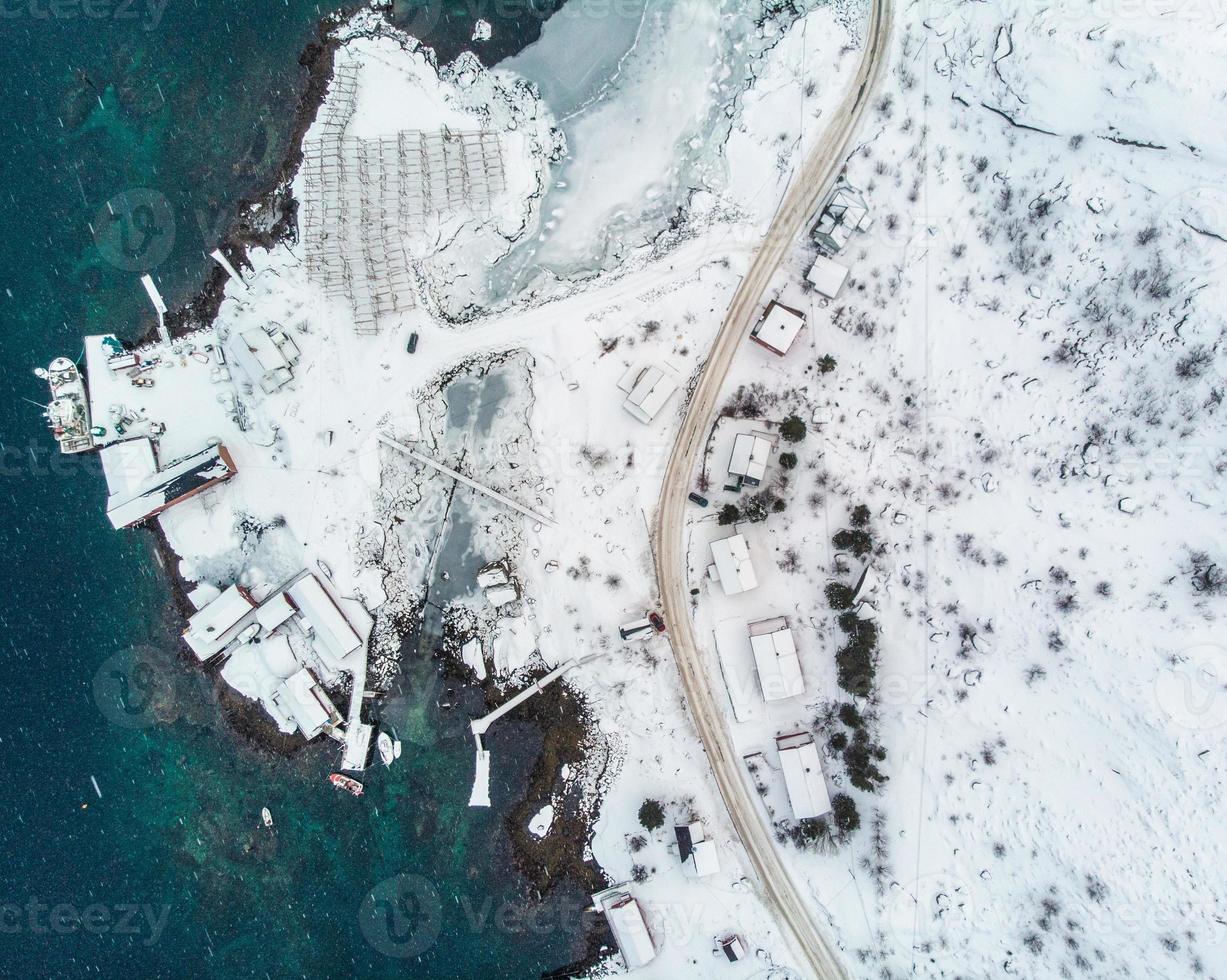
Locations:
265 218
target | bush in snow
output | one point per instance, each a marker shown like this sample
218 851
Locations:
839 596
843 812
652 815
729 514
788 461
858 541
860 516
826 364
792 429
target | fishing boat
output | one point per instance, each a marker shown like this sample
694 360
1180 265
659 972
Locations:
386 750
68 413
347 783
266 816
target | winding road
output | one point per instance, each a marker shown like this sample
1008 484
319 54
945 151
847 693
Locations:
778 890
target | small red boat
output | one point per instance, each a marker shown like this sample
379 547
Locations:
350 785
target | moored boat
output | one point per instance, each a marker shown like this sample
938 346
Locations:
267 816
68 412
347 783
387 751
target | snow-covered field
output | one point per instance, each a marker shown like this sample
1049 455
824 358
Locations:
1025 395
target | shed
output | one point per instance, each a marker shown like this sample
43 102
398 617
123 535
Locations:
126 466
748 461
844 213
828 276
332 630
626 922
220 622
803 778
651 389
778 328
274 611
775 656
731 565
304 700
697 851
178 481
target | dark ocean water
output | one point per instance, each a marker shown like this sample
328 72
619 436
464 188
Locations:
172 113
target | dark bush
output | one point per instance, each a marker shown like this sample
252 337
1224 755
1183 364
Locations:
729 514
860 516
826 364
788 461
858 541
850 716
652 815
792 429
839 596
843 812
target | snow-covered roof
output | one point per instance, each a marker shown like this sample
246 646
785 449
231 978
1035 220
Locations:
218 623
828 276
803 778
306 703
180 480
126 466
500 595
331 628
732 564
749 458
491 576
844 213
775 655
652 389
697 851
627 924
778 328
274 611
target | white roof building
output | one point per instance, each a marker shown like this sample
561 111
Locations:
844 213
626 922
135 500
748 461
828 276
274 611
265 357
803 778
302 698
775 656
219 623
332 630
731 565
697 851
647 391
126 465
778 328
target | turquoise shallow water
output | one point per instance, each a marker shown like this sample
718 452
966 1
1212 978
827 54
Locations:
173 113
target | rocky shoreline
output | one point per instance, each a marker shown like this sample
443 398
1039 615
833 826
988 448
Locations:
266 218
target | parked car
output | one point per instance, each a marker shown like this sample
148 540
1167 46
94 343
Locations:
697 498
656 620
413 343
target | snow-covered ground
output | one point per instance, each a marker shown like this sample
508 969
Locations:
1024 395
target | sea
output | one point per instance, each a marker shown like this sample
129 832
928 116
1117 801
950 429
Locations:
131 836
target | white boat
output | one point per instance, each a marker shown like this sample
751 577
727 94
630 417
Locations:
396 749
68 413
387 751
266 816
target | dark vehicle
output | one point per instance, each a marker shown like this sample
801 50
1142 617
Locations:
413 343
655 620
699 499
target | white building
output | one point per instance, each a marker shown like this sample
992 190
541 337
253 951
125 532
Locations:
828 276
803 778
138 493
335 638
697 851
844 213
731 565
647 391
302 699
219 623
748 460
266 357
778 328
775 656
626 922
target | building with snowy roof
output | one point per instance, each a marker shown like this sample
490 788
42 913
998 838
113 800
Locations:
648 390
775 658
697 850
626 922
803 778
266 357
844 213
748 460
335 638
301 698
827 276
731 565
218 623
778 328
136 498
